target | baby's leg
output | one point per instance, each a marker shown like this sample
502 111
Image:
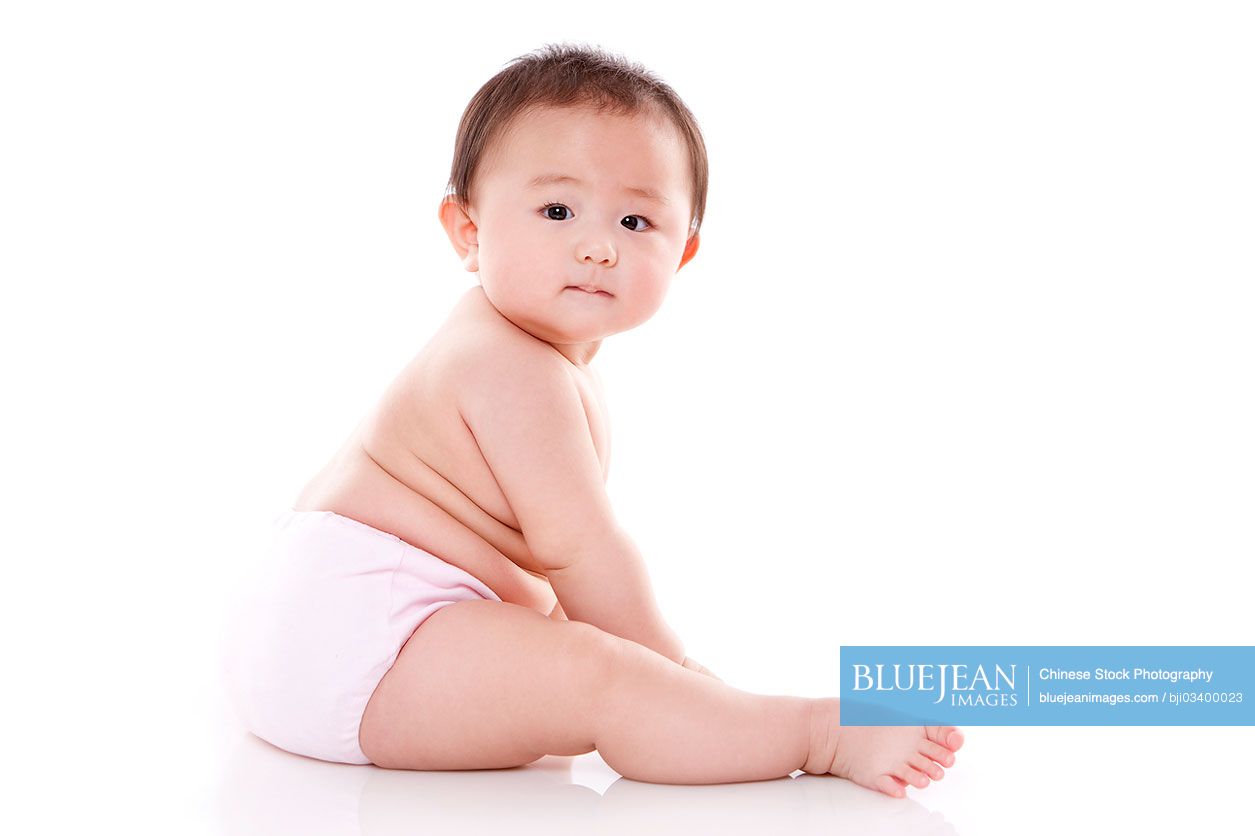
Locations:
486 684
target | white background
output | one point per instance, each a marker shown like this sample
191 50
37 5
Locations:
965 358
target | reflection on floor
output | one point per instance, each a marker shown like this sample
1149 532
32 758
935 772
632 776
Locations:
265 790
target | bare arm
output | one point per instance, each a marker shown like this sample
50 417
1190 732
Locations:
525 412
607 585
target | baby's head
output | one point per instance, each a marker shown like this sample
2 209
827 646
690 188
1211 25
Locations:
574 168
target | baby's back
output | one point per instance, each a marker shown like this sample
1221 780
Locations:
412 466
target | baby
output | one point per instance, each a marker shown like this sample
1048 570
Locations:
452 590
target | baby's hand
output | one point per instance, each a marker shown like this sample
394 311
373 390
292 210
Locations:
695 666
534 592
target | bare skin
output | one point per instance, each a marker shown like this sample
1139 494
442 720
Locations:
575 688
463 459
410 468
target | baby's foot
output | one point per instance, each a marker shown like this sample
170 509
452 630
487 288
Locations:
884 758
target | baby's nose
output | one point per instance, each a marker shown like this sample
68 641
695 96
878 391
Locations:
597 254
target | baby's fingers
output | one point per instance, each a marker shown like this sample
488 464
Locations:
696 666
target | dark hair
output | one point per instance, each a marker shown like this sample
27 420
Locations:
567 75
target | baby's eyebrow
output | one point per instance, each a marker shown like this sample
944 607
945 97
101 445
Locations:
547 179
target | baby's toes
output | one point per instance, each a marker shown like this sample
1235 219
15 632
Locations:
947 736
911 775
926 766
890 785
937 752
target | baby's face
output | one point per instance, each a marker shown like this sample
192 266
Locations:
620 224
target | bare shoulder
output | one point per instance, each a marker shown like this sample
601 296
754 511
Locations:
487 352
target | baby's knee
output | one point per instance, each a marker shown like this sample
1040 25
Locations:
591 646
593 659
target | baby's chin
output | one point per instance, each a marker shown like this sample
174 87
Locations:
564 328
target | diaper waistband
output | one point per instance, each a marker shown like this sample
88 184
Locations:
290 517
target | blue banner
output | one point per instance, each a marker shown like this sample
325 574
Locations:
1047 686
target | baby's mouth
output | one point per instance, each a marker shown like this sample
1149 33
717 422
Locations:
590 290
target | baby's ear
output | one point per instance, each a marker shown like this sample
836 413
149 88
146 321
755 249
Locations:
462 232
690 249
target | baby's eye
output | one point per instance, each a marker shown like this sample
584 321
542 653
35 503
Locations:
640 219
550 208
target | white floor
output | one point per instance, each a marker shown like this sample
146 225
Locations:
1009 780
